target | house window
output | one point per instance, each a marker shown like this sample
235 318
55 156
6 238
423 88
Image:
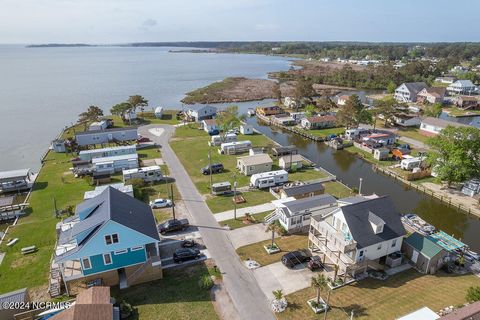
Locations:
121 251
394 243
107 258
111 238
136 248
379 246
360 254
86 263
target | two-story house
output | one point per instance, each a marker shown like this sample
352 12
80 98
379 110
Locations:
407 92
462 87
201 112
112 239
358 235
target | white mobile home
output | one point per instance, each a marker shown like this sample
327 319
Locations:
147 174
246 129
159 112
235 147
105 136
218 139
355 133
100 125
88 155
127 189
115 164
269 179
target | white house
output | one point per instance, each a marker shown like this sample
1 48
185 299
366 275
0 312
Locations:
357 235
257 163
201 112
319 122
99 125
445 80
407 120
246 129
159 112
432 126
407 92
286 162
462 87
209 125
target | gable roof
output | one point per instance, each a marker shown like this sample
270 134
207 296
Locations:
357 218
415 87
197 107
437 122
295 158
292 191
435 91
256 159
310 202
92 304
424 245
463 83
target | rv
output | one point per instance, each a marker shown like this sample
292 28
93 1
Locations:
147 174
221 188
411 163
269 179
235 147
352 134
159 112
218 139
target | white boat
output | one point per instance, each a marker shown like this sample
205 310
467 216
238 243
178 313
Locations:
418 224
251 112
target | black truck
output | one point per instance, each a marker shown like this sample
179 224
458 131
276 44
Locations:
173 225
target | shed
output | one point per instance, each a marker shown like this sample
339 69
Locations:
290 161
257 163
427 256
98 125
246 129
59 146
16 298
381 153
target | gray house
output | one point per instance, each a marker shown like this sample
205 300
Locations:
201 112
104 136
407 92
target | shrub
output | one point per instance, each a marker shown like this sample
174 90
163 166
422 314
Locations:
206 282
473 294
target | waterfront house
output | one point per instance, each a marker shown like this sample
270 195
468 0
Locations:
407 120
302 190
269 111
295 214
319 122
127 189
407 92
298 116
431 95
106 136
289 161
209 125
88 155
342 100
384 138
114 164
289 102
201 112
98 125
358 235
112 239
281 151
258 163
445 80
426 255
462 87
16 180
283 120
467 102
432 126
246 129
59 146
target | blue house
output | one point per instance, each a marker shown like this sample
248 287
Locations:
112 240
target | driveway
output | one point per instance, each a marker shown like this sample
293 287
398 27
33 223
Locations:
276 276
240 283
227 215
247 235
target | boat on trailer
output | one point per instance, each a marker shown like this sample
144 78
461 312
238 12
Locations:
418 224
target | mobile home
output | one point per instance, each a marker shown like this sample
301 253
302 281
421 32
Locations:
253 164
235 147
115 164
355 133
218 139
105 136
159 112
411 163
147 174
269 179
88 155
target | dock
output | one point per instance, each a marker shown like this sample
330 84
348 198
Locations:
292 129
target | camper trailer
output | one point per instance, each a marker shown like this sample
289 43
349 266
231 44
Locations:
88 155
159 112
221 188
235 147
353 134
115 164
218 139
411 163
269 179
147 174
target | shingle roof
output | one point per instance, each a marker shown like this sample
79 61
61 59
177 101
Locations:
357 218
467 312
442 123
20 295
422 244
261 158
310 202
327 118
294 157
106 130
436 91
303 188
91 304
415 87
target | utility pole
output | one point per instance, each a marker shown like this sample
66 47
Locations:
327 302
235 197
360 187
210 168
173 203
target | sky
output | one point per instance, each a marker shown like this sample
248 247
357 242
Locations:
125 21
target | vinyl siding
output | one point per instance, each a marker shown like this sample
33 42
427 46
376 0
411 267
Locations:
118 261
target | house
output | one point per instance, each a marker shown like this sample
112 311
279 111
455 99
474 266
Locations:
88 155
201 112
431 95
445 80
407 92
407 119
462 87
258 163
59 146
209 125
127 189
467 102
359 235
424 313
384 138
283 120
298 116
426 255
98 125
295 214
342 100
269 111
468 312
94 303
105 136
319 122
16 180
115 164
289 161
11 303
281 151
246 129
302 190
112 239
432 126
158 112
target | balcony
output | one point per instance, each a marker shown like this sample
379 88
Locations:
335 238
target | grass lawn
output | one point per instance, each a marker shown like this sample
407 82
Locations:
326 132
337 189
455 112
412 133
306 174
223 203
149 153
176 296
390 299
235 224
256 251
368 156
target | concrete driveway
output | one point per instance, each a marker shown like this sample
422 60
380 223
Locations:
276 276
247 235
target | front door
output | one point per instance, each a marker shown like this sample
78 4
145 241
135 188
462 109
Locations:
415 256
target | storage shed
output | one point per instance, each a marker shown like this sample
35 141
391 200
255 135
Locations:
426 255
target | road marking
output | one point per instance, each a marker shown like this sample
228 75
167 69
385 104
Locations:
156 131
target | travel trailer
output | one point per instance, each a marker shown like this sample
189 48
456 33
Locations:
147 174
218 139
269 179
235 147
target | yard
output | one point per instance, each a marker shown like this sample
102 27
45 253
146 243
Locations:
337 189
412 133
256 251
395 297
252 198
326 132
235 224
456 112
176 296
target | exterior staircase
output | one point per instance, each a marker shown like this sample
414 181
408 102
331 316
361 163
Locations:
122 279
270 218
55 281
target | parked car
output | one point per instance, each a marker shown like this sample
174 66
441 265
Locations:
315 263
160 203
293 258
213 132
173 225
185 254
143 139
188 243
404 146
216 168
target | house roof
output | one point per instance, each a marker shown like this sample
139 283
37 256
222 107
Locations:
197 107
20 295
303 188
94 295
256 159
424 245
463 83
91 304
295 158
357 218
319 119
442 123
309 203
435 91
415 87
467 98
13 174
130 156
89 151
106 130
467 312
424 313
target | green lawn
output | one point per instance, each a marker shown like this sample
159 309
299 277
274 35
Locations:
239 223
223 203
149 153
367 156
412 133
176 296
390 299
455 112
326 132
337 189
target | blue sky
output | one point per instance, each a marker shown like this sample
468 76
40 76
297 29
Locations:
120 21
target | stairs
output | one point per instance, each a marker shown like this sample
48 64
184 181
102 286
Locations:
270 218
134 276
122 277
55 281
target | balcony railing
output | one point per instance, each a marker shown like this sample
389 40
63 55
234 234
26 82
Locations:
334 237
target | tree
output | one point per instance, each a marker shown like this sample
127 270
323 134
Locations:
319 283
228 119
303 90
120 109
473 294
455 154
92 114
277 93
309 110
273 227
387 108
353 113
391 87
137 101
433 110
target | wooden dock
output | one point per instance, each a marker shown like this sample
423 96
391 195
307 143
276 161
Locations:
292 129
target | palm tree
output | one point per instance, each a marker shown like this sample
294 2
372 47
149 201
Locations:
277 294
319 283
273 227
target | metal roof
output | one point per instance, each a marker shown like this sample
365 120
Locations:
303 188
106 130
424 245
446 241
13 174
115 158
108 149
310 203
256 159
20 295
442 123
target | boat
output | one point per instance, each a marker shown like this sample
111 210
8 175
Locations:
418 224
251 112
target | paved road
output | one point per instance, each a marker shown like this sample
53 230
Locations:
248 298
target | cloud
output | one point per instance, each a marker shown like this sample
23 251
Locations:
149 23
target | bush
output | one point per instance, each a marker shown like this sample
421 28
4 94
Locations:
206 282
473 294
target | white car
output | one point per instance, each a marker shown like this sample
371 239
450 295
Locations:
160 203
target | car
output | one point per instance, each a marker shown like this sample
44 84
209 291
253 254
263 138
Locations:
216 168
213 132
160 203
143 139
405 146
291 259
188 243
173 225
185 254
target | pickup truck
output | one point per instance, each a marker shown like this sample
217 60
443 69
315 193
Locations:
173 225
